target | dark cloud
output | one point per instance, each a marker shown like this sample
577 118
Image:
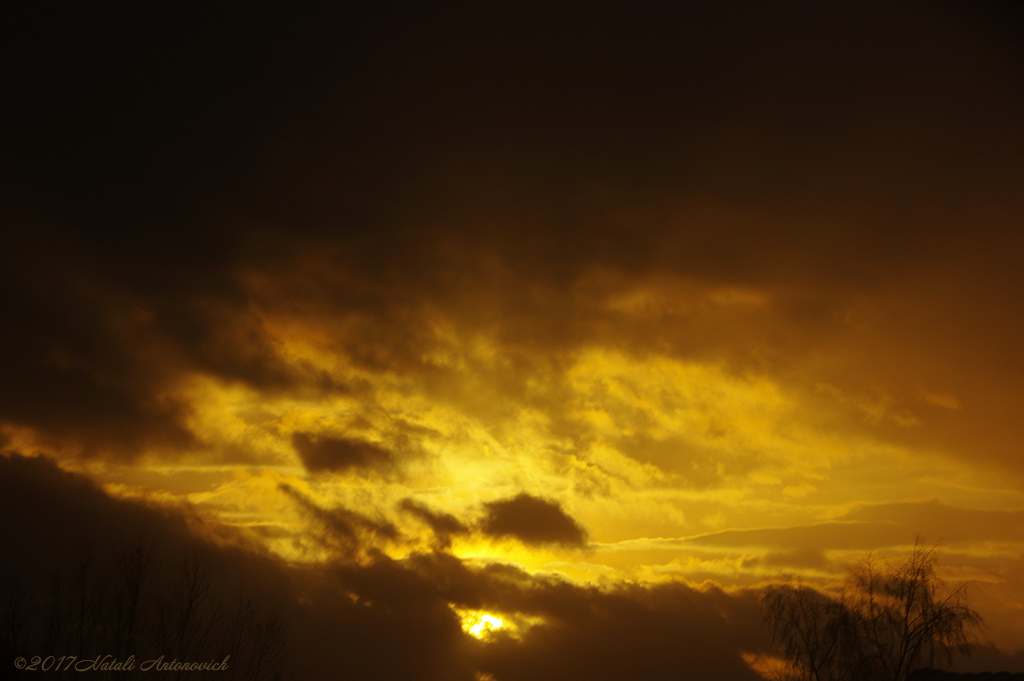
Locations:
370 171
80 362
617 635
50 515
323 453
943 523
382 619
874 527
985 658
91 363
443 525
661 632
344 529
850 536
79 564
532 520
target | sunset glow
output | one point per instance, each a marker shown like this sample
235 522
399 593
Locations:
523 344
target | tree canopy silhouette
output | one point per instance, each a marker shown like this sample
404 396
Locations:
885 622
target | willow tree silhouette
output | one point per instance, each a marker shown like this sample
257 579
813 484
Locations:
886 622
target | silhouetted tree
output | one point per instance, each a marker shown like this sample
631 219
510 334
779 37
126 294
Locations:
886 622
16 613
809 628
135 604
134 568
255 641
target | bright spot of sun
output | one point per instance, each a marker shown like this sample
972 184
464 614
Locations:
487 623
482 624
478 623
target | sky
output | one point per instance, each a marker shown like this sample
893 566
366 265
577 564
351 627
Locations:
515 341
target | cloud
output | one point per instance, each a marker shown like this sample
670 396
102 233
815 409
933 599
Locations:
608 271
848 536
940 522
323 453
630 633
81 561
974 540
532 520
383 618
344 529
82 366
572 631
443 525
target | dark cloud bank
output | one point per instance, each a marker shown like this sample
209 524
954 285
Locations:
173 175
375 619
71 546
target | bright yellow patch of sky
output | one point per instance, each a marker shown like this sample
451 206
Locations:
635 447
